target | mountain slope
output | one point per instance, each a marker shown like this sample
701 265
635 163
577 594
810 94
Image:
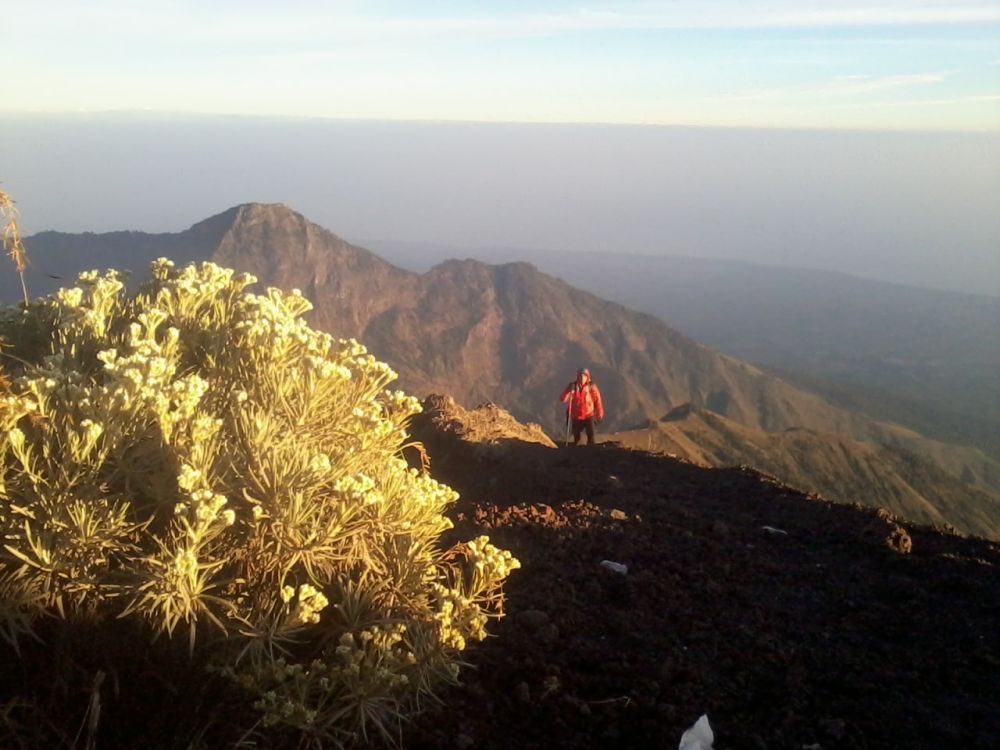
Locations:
513 335
55 258
834 466
922 357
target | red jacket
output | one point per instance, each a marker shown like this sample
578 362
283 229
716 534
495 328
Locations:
584 400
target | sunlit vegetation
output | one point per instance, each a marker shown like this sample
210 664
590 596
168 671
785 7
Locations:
209 536
12 244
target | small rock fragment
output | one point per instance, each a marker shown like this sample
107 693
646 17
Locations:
899 540
615 567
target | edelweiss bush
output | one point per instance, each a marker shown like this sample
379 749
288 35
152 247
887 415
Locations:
194 464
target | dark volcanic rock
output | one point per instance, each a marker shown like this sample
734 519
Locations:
825 635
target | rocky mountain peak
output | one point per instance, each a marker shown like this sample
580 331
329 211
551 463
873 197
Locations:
514 336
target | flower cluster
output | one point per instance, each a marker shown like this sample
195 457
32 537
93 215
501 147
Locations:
459 618
308 603
489 562
359 488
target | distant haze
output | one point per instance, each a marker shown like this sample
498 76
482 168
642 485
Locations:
914 208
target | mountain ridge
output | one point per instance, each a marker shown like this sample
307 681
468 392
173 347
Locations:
513 335
925 358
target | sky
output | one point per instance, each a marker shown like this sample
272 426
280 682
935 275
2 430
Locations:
917 65
915 208
861 137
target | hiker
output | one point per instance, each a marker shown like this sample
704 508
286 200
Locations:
585 407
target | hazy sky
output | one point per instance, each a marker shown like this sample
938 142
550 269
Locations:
918 208
922 64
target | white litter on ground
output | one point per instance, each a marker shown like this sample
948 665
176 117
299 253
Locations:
699 736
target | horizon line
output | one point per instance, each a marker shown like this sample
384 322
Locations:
4 113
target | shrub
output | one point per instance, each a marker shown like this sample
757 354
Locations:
203 496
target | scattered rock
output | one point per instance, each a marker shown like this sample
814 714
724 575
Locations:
774 531
543 512
756 636
884 514
486 424
899 540
615 567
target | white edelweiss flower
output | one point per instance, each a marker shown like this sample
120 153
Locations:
16 437
188 477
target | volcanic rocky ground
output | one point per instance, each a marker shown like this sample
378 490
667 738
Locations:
791 621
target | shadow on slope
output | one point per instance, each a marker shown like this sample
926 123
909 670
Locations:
830 464
790 620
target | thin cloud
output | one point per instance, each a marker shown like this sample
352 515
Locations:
345 22
898 15
847 85
955 100
871 84
654 16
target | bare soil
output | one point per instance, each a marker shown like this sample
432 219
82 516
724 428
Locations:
793 622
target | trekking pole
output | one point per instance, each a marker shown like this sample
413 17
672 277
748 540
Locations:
569 409
567 422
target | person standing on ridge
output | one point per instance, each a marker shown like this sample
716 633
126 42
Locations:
584 407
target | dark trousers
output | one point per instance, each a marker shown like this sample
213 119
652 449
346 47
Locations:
579 425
